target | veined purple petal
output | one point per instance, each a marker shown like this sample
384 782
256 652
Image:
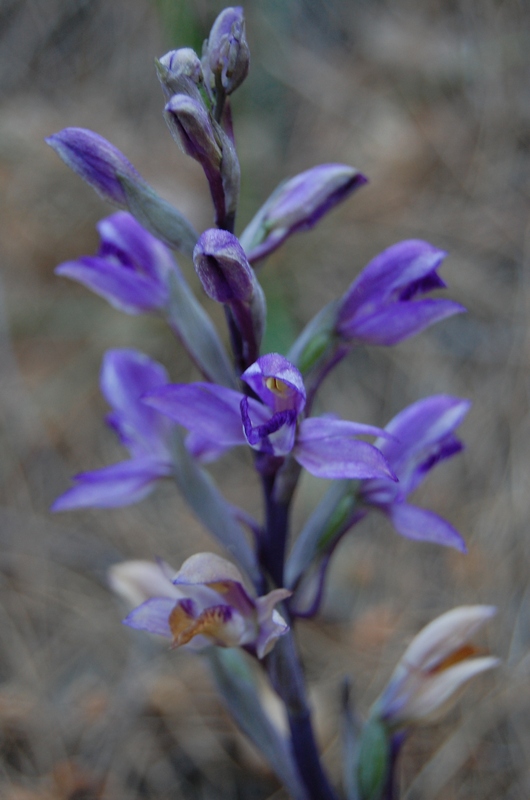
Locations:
277 382
125 377
208 410
204 450
96 160
276 435
398 321
297 205
323 427
122 236
392 270
422 424
113 486
334 458
152 616
123 288
426 526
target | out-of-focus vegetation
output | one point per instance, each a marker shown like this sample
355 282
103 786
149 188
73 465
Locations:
432 102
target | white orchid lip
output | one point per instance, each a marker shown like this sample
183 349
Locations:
435 666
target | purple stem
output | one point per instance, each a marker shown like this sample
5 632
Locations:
287 678
283 663
391 791
276 529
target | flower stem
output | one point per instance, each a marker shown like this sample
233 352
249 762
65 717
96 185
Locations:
287 678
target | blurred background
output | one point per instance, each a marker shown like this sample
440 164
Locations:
432 102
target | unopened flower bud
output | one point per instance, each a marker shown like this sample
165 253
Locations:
192 129
297 205
180 72
226 55
222 266
97 161
436 664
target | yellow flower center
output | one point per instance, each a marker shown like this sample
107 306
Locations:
278 387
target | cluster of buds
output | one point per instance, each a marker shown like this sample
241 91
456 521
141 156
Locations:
262 402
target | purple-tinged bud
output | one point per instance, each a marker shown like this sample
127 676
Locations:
191 127
180 72
222 266
228 278
297 205
200 137
226 56
97 161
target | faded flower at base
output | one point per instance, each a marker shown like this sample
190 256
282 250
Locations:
436 664
204 603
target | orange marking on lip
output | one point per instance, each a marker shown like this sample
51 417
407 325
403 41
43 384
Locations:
184 627
464 652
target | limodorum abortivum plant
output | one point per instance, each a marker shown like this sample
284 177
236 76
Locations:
240 612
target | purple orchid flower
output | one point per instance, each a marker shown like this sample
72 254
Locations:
219 418
204 603
421 436
381 305
131 270
125 376
297 205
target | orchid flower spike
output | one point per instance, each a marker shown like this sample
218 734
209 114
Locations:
204 603
436 664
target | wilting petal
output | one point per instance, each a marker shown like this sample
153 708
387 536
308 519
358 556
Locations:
425 526
113 486
431 699
435 665
277 382
207 568
208 410
339 457
137 581
271 624
153 616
